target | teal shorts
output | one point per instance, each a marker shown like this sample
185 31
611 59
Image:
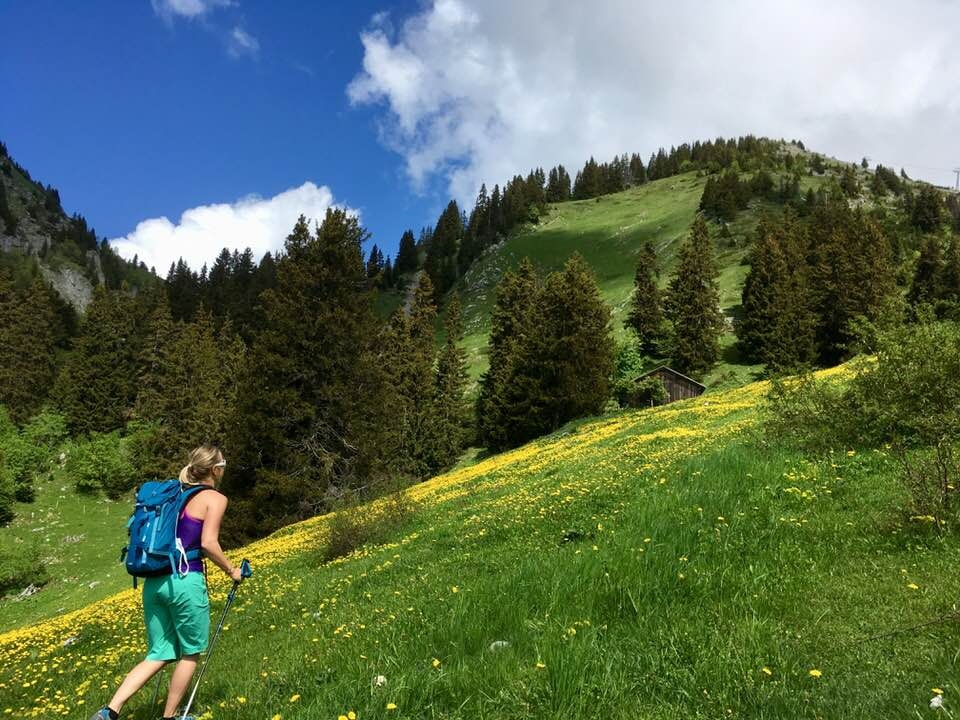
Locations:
176 611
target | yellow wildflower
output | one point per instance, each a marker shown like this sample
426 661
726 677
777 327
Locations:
815 673
294 698
391 706
766 671
436 663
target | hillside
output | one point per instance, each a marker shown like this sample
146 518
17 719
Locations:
36 234
666 563
609 232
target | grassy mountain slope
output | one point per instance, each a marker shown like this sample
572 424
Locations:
664 563
609 233
37 235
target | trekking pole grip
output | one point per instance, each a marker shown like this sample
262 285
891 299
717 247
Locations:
245 569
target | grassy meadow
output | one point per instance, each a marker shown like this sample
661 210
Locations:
665 563
609 233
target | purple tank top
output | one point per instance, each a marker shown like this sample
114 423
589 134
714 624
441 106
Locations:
189 530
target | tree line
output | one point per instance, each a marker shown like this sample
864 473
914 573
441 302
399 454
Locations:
286 364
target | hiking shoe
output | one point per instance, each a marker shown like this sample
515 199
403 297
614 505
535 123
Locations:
101 714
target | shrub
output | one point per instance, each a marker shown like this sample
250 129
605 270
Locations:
7 494
808 413
353 525
103 462
27 452
23 461
907 399
644 393
20 567
931 476
47 429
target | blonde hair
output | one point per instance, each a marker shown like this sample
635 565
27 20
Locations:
200 464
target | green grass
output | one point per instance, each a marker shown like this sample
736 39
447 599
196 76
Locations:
654 563
609 233
79 538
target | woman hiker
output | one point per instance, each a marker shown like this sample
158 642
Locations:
176 609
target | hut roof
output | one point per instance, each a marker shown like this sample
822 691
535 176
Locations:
673 372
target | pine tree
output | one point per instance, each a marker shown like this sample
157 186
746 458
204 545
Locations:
646 313
928 209
510 322
573 350
852 276
183 291
311 398
441 262
760 287
551 355
407 253
777 324
418 452
187 389
27 347
950 281
6 215
97 387
451 409
692 304
928 274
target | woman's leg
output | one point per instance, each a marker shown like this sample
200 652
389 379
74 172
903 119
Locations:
135 679
179 682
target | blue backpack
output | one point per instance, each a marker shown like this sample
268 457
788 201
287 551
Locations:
154 548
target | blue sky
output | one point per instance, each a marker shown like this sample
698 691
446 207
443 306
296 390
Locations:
180 126
132 115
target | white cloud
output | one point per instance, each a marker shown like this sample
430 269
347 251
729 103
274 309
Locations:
478 90
168 9
242 43
202 232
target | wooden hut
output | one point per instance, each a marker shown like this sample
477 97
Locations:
677 385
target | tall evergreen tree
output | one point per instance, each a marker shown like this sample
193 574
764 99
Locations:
777 324
510 321
27 344
926 287
310 403
568 359
188 388
852 276
551 355
950 281
646 312
451 408
441 262
417 450
183 291
692 304
97 386
407 253
927 211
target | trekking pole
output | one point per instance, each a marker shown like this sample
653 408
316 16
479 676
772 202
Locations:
156 690
245 572
946 617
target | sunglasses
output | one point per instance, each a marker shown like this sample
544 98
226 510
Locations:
222 463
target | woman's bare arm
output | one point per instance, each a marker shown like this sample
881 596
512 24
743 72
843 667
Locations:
210 537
